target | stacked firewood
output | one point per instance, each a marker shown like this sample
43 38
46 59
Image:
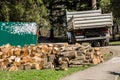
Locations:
17 58
47 56
77 55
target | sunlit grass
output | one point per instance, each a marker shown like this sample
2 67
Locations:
115 43
38 74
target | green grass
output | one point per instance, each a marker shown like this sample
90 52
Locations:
107 56
118 78
111 43
115 43
38 74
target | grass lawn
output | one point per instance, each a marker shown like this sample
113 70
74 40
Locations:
118 78
37 74
114 43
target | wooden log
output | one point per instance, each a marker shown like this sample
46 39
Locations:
78 45
80 53
17 59
86 61
19 65
44 49
101 58
76 62
24 52
82 57
50 58
37 59
3 66
66 44
69 54
97 49
64 65
17 52
49 65
24 60
27 66
95 61
37 66
97 53
61 59
41 64
50 45
87 57
50 50
55 50
13 68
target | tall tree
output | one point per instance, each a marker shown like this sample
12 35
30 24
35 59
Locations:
94 4
115 8
4 11
23 10
57 11
106 6
116 11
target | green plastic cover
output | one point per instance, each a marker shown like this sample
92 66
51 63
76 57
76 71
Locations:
18 33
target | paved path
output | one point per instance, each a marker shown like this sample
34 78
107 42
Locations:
106 71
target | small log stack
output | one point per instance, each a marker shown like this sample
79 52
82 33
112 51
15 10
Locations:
48 56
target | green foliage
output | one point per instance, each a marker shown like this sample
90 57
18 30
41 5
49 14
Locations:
17 9
70 1
4 12
83 6
106 6
116 8
112 6
78 5
46 12
23 10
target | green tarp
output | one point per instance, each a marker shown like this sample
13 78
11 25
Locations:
17 33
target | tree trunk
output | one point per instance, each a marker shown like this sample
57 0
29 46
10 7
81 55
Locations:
94 5
51 33
51 19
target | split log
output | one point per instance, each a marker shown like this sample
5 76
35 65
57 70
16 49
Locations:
76 62
13 68
49 65
70 54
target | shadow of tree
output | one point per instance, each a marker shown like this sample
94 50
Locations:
43 39
114 73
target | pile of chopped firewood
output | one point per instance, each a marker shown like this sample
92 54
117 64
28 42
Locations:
47 56
77 55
